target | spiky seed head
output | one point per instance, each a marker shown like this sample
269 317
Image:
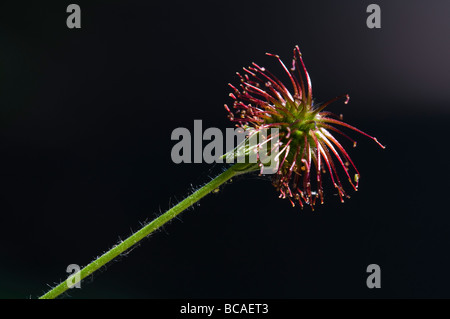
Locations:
308 149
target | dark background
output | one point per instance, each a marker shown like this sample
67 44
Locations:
85 123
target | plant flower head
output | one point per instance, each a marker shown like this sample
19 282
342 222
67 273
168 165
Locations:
307 147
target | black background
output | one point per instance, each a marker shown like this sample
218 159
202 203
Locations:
85 122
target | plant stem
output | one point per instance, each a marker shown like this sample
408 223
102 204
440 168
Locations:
146 230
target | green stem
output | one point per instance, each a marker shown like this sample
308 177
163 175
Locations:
236 169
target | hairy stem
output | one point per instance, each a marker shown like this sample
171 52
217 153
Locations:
146 230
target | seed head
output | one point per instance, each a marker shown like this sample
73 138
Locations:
307 150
